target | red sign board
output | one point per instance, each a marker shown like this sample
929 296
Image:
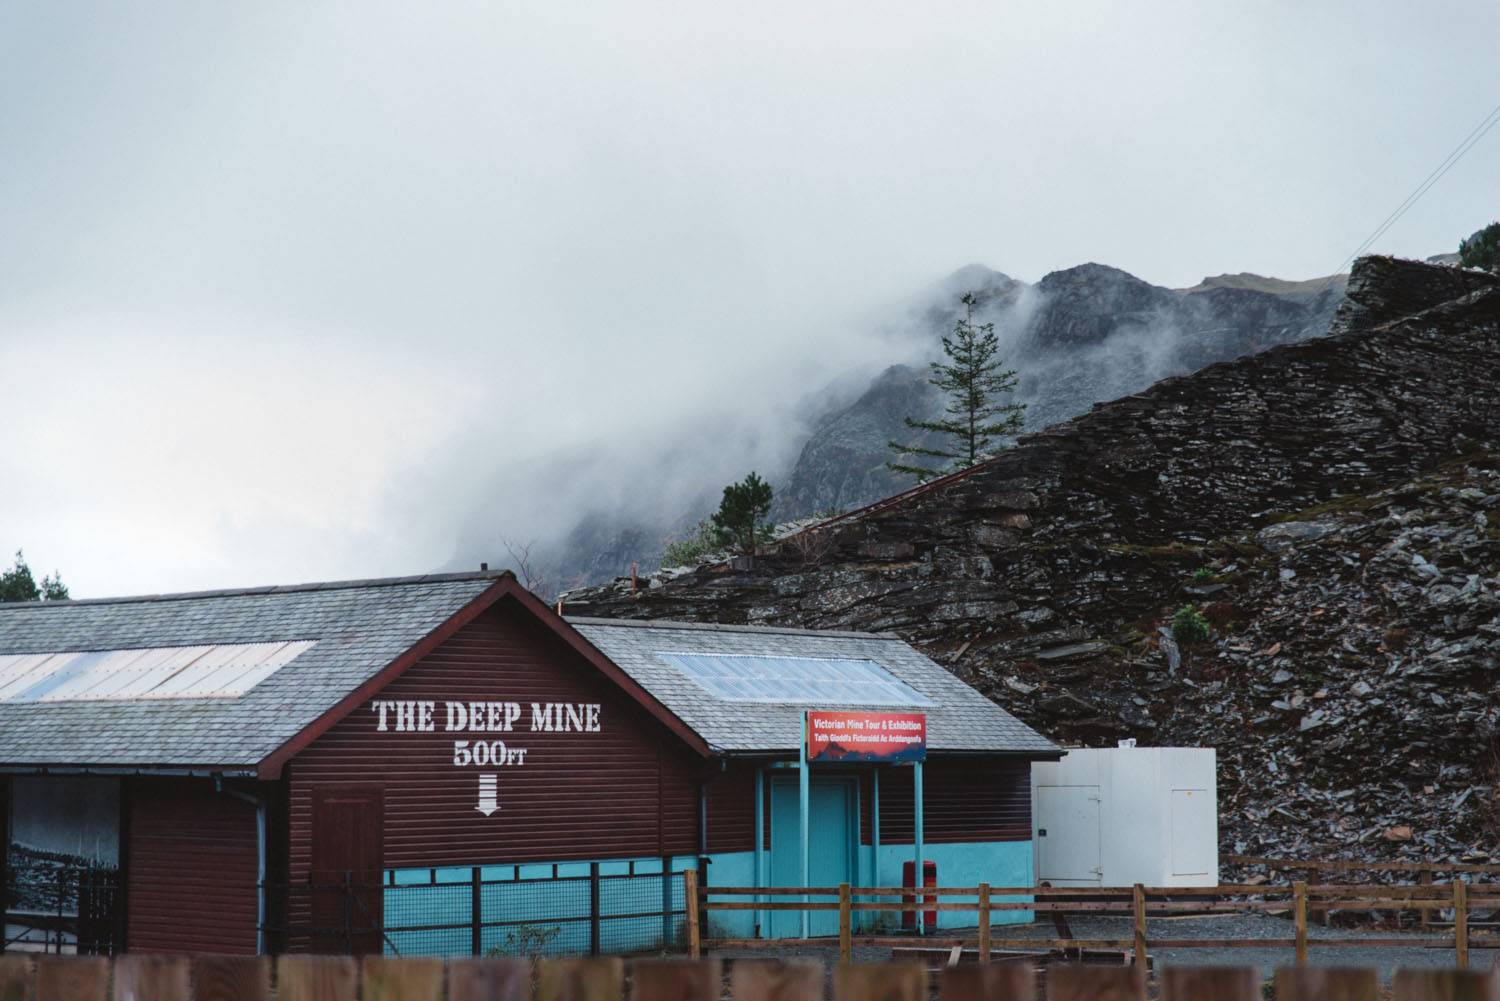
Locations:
846 736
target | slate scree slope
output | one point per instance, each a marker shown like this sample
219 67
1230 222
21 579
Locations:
1332 506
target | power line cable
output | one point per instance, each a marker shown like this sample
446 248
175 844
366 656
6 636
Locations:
1484 126
1488 122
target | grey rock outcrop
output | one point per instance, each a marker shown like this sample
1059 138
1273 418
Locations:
1383 289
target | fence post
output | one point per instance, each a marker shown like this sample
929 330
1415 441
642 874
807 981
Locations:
984 923
1424 877
846 925
1138 895
476 912
690 901
703 863
348 912
1318 914
62 892
593 908
667 937
1461 923
1299 920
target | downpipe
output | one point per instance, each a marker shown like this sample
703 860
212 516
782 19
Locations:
260 858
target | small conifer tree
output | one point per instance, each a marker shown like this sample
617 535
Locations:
18 584
1482 250
975 419
739 524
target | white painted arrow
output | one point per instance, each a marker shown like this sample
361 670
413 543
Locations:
488 802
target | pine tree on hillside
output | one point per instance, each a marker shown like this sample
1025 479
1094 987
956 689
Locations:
739 523
1482 250
975 419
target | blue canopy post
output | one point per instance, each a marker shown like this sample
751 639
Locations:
917 839
760 839
875 827
804 796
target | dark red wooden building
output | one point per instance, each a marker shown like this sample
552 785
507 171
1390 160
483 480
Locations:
441 764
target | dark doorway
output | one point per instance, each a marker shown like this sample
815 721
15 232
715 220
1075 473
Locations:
347 870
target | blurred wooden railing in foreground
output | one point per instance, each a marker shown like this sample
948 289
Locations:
342 978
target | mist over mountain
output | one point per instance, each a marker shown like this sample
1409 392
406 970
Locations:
1077 337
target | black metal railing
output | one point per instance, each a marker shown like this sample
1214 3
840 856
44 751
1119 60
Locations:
62 908
482 911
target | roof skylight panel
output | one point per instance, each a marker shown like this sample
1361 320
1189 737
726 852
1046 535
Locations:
186 681
19 671
803 680
211 671
63 678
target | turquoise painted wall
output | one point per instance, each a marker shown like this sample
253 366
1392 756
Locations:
732 869
999 863
551 917
541 915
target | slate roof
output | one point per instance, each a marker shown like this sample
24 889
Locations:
360 627
961 720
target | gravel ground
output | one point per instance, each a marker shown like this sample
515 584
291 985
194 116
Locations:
1244 926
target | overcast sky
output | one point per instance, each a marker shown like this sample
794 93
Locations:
288 291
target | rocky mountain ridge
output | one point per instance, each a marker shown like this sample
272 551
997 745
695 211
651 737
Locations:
1332 505
1078 337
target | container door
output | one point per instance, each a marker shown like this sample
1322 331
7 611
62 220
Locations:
1067 836
1195 833
830 831
347 870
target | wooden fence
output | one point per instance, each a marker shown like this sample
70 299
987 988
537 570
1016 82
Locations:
1313 871
1138 902
341 978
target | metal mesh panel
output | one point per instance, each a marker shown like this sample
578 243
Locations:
428 920
611 907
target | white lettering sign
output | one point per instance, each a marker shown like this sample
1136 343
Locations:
403 716
474 717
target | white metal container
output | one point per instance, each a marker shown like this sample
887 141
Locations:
1117 816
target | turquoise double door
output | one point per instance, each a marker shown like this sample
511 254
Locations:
832 831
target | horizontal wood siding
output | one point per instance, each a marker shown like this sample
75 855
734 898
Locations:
629 789
731 810
192 869
965 799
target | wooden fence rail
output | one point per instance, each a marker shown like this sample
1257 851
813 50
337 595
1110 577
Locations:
341 978
1314 869
1137 902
